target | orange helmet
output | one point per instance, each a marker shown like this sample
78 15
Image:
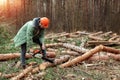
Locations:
44 21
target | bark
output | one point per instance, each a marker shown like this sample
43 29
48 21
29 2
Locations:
53 45
90 53
82 33
111 50
98 58
102 42
52 50
106 57
96 34
4 57
56 62
36 76
23 73
51 54
47 64
115 56
72 53
75 48
9 56
83 57
105 34
8 75
57 36
114 38
72 36
95 38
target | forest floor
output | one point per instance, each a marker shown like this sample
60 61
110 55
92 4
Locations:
106 69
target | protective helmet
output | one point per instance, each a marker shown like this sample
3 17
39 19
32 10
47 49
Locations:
44 21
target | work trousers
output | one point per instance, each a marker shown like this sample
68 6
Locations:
24 49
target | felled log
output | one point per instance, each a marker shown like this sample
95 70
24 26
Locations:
37 76
51 55
82 57
105 34
105 57
111 50
89 54
95 38
115 56
23 73
9 56
8 75
56 62
72 36
82 33
102 42
96 33
114 38
51 50
75 48
53 34
72 53
48 64
96 58
57 36
53 45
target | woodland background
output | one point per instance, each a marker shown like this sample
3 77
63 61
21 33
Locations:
65 15
75 25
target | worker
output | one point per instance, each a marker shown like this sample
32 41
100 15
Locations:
31 32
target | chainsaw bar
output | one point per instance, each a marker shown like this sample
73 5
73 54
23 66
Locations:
49 60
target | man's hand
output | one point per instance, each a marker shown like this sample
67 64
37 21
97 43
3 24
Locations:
43 47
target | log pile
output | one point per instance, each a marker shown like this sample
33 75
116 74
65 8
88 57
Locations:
68 50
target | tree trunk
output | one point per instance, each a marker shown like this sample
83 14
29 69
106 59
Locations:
23 73
102 42
72 53
4 57
75 48
9 56
83 57
90 53
48 64
111 50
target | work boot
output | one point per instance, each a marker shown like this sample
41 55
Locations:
23 66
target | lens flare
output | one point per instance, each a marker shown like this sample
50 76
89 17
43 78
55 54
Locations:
2 2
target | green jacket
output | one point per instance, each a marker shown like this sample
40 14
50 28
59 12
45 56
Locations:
26 33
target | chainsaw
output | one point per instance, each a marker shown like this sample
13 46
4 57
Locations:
43 52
